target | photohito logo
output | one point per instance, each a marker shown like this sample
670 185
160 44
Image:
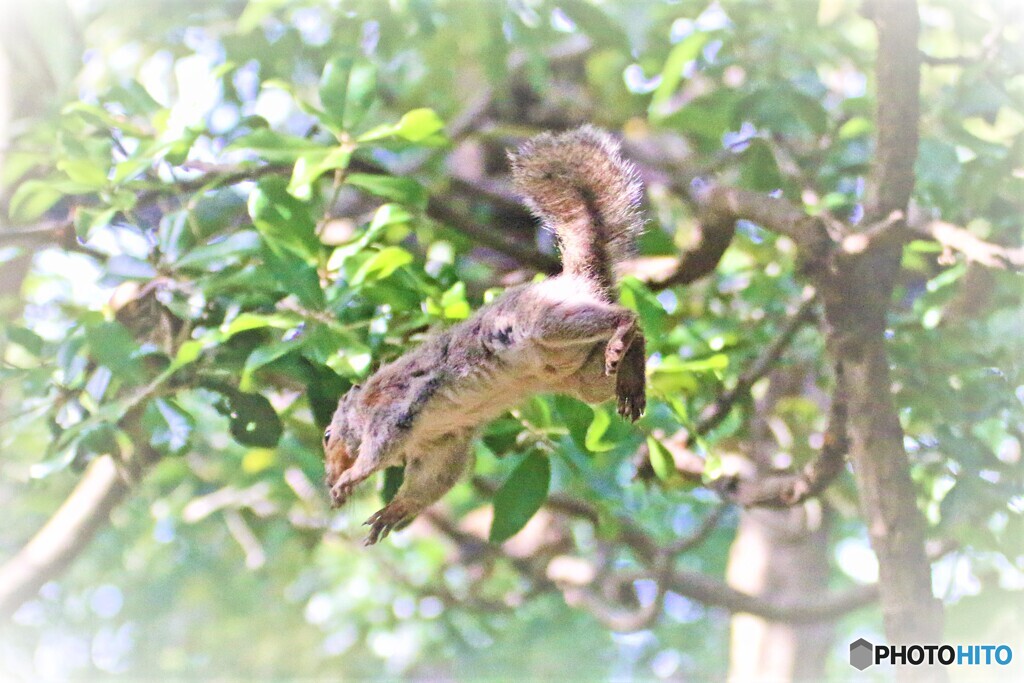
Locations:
863 654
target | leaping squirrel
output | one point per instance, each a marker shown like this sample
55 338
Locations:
563 335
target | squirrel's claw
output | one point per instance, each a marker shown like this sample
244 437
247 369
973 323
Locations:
631 395
383 521
631 407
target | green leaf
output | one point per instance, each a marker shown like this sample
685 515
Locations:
136 99
419 124
662 462
255 12
284 222
362 90
187 354
759 170
577 417
277 148
253 421
295 275
393 477
98 116
98 439
594 440
311 165
520 497
18 163
415 126
856 127
113 346
712 363
32 199
675 375
25 338
264 355
453 302
352 361
387 215
255 321
132 166
170 427
707 117
84 171
347 90
382 264
234 247
636 296
87 220
334 86
64 457
404 190
683 52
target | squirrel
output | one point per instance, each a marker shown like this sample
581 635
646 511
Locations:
565 334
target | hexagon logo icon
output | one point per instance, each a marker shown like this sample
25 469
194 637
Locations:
861 654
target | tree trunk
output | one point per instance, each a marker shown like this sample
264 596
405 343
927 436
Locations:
857 295
782 555
888 497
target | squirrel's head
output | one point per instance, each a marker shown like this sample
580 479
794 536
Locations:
342 437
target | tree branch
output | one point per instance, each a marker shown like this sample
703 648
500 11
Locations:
792 488
975 249
689 465
104 484
898 82
71 528
713 415
444 212
894 231
722 206
707 590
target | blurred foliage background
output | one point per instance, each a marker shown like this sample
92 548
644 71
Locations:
219 215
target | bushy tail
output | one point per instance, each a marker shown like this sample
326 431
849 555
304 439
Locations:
579 185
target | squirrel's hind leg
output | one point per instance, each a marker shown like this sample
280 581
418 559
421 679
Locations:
584 323
429 474
628 385
631 380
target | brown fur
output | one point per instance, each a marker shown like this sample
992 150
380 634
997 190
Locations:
564 334
581 188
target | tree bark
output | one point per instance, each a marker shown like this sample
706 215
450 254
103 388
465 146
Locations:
856 298
782 555
105 483
64 536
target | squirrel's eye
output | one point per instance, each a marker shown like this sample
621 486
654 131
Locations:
327 435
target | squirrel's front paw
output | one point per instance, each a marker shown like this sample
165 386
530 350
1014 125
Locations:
613 354
343 488
340 493
384 520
